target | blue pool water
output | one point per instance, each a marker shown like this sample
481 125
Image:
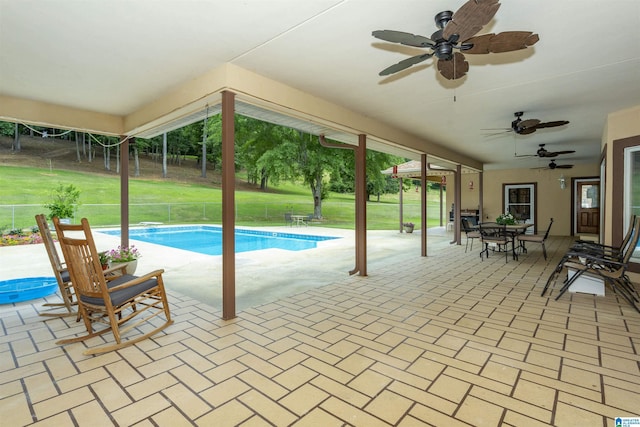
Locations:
207 239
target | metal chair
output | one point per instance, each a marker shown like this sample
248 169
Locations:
495 234
611 271
470 232
536 238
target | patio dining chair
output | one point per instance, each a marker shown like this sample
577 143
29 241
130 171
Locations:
470 232
61 274
536 238
119 302
494 235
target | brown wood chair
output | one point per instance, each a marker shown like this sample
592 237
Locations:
61 274
120 302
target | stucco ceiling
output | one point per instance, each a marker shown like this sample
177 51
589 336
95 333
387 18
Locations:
116 56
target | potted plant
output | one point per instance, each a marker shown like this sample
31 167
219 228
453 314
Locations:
63 202
408 227
506 219
104 259
125 254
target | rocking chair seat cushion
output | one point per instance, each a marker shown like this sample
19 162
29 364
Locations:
66 277
123 295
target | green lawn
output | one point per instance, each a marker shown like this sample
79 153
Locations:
25 190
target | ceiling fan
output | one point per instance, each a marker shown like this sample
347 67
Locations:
552 165
543 152
525 127
456 31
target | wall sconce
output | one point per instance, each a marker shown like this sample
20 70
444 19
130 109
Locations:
563 182
470 185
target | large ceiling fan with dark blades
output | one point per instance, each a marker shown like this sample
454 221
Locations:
544 153
526 127
457 31
552 165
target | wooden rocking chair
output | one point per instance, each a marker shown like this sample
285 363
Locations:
60 272
113 300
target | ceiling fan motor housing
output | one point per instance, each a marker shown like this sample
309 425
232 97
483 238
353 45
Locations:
443 18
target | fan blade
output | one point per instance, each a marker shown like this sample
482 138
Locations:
502 42
480 44
545 153
470 18
403 38
564 152
525 131
563 166
529 123
552 124
455 68
405 63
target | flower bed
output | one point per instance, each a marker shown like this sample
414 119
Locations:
15 239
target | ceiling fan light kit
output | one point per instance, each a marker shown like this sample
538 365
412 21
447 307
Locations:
457 31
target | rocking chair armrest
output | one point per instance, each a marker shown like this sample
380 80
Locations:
137 280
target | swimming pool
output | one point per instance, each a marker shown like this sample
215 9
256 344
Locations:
207 239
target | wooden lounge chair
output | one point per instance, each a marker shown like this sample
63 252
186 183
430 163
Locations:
60 272
121 302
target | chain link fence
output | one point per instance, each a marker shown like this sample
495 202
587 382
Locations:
379 215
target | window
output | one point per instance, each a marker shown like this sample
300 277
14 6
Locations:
632 188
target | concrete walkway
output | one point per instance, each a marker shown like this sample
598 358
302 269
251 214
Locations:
261 276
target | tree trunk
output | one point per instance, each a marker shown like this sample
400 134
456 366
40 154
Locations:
16 138
136 161
118 148
316 190
204 152
78 159
164 155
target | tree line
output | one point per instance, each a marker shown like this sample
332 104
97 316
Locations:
268 153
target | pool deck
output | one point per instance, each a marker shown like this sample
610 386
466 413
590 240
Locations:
261 276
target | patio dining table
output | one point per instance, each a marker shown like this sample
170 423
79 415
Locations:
511 230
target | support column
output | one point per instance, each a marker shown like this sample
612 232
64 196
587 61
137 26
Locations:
360 154
401 206
228 207
423 202
480 197
457 200
361 206
124 191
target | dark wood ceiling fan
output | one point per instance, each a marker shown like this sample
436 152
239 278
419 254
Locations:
457 31
544 153
552 165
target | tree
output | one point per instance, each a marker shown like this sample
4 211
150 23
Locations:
63 199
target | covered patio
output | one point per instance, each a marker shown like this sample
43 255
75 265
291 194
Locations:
445 339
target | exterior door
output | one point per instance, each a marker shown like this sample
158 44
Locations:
588 207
